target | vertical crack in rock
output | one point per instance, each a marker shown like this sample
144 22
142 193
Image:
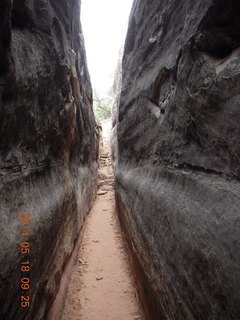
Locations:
48 146
178 156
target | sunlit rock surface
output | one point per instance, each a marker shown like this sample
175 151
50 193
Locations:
48 146
177 179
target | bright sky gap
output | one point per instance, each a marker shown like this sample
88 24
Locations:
104 26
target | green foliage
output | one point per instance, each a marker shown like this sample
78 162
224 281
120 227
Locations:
102 106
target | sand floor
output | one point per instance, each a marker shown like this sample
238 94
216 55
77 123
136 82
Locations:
101 286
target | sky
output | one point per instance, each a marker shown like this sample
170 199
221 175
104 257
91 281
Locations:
104 24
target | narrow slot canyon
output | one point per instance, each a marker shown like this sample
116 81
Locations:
120 204
102 286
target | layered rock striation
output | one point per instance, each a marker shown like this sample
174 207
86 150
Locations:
178 157
48 146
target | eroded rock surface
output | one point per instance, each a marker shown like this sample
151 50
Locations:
48 145
177 178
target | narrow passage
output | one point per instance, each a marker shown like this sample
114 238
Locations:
101 285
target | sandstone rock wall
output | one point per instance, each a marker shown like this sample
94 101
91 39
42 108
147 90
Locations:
117 86
48 145
177 179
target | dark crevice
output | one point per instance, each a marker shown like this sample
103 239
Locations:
219 34
5 36
195 168
221 51
20 15
157 86
217 43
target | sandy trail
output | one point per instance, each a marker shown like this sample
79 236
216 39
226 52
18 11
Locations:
101 286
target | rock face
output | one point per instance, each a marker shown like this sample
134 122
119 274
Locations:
117 86
48 146
177 179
